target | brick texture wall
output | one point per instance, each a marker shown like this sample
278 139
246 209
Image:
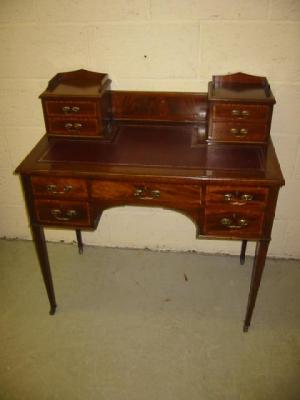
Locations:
150 45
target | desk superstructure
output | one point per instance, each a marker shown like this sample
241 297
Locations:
208 156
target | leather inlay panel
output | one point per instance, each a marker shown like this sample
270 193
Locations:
156 146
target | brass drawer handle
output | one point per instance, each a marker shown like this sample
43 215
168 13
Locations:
231 224
142 194
202 114
245 113
155 194
238 197
68 109
70 126
138 192
239 132
53 189
70 214
243 132
229 196
246 197
238 113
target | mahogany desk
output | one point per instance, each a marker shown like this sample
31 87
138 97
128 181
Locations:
154 149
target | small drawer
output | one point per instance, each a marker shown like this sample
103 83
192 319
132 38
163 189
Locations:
59 187
70 107
77 127
69 213
238 132
233 222
151 193
244 112
241 196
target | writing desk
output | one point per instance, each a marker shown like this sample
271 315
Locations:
147 156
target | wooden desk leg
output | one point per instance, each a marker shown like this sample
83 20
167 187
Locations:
41 249
79 241
243 252
257 271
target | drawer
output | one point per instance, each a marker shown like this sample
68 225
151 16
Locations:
67 213
242 196
238 132
150 193
70 107
59 187
159 106
233 222
71 126
245 112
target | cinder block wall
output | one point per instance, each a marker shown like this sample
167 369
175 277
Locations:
150 45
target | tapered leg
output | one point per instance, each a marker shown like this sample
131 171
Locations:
243 252
257 271
79 241
41 249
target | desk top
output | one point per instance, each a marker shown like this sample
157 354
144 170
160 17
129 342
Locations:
158 151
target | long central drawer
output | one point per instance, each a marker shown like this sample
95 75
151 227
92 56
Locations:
148 193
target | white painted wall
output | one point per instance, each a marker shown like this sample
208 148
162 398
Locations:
185 42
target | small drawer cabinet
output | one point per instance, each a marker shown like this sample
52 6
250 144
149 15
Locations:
240 109
235 211
77 104
61 201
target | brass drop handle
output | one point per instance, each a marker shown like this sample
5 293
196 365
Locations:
155 193
238 197
239 132
138 192
238 113
68 109
142 194
57 214
243 132
202 114
234 131
243 222
53 189
226 221
70 126
231 224
247 197
228 196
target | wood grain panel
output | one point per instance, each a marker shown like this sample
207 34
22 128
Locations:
158 106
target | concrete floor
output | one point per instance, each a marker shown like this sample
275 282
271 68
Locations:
140 325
